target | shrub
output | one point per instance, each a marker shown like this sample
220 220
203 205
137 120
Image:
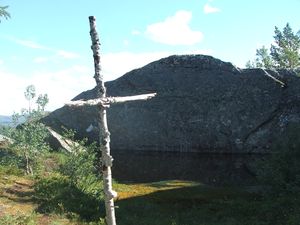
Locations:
281 171
57 194
29 143
76 189
79 166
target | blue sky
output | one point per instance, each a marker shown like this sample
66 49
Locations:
47 43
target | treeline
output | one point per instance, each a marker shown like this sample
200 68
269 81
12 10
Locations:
284 53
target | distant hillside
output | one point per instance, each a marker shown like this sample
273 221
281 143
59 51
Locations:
8 120
5 120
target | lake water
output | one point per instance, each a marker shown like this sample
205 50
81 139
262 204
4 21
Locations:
213 169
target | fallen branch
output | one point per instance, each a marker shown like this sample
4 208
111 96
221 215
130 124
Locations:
106 101
273 78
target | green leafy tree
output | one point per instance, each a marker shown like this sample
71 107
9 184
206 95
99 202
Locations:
42 101
29 143
250 64
284 53
263 59
29 137
29 95
3 12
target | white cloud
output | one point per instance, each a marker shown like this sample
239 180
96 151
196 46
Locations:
136 32
40 60
127 61
34 45
59 55
1 62
174 30
126 42
30 44
61 86
207 9
11 93
67 55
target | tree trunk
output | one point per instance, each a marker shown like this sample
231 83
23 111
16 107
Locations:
29 169
27 165
109 194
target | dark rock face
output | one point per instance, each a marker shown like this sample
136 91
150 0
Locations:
202 105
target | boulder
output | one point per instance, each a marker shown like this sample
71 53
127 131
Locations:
5 141
58 141
202 105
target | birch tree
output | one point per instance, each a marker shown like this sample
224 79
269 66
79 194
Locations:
29 95
103 102
29 137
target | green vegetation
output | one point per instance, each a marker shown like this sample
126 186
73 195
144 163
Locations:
29 137
68 191
55 199
280 174
284 53
3 12
74 188
67 188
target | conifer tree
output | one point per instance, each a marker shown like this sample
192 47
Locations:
284 53
286 50
3 12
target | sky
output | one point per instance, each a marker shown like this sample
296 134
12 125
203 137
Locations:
47 43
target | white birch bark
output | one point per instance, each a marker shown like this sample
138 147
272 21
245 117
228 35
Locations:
109 194
273 78
105 102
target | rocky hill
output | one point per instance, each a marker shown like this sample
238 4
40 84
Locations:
202 105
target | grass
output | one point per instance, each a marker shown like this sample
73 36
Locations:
53 200
18 205
189 203
179 202
160 203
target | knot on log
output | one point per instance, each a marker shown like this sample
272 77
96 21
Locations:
107 134
111 194
107 160
103 105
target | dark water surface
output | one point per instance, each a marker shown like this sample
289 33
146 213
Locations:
217 169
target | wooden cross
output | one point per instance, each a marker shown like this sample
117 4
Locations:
103 103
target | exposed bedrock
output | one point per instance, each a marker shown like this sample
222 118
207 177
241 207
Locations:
202 105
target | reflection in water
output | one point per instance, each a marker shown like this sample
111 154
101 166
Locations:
216 169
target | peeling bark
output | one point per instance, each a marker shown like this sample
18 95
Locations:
109 194
103 154
105 102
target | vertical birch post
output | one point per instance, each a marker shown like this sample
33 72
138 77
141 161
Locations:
103 129
103 103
